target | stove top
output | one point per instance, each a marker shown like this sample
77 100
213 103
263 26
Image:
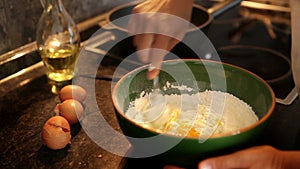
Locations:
257 40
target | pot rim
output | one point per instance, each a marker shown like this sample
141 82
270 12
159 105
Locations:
114 26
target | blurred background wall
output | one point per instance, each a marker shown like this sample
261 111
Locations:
18 18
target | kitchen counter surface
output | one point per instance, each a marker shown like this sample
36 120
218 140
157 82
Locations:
23 113
26 102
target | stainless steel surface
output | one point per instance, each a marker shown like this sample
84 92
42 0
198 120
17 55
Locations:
265 6
222 7
289 98
21 78
31 47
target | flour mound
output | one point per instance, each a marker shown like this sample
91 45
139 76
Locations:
195 115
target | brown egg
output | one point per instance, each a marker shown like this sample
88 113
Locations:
70 109
56 133
72 92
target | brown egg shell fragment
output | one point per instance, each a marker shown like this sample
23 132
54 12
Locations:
70 109
72 92
56 133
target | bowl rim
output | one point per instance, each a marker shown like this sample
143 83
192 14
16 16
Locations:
213 136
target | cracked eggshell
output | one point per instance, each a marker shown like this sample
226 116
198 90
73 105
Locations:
70 109
56 133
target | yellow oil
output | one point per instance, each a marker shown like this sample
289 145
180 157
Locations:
60 62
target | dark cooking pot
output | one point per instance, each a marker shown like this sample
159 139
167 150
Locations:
201 16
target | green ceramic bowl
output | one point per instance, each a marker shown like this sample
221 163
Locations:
199 75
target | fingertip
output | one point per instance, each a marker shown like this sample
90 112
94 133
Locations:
151 74
204 165
172 167
157 57
168 167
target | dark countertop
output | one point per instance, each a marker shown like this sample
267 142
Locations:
24 110
23 113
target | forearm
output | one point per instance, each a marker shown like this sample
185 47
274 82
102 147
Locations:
295 15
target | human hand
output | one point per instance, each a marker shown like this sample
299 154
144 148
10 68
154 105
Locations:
158 25
252 158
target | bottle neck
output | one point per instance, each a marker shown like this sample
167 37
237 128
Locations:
49 4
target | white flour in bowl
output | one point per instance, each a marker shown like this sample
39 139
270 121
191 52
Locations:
203 113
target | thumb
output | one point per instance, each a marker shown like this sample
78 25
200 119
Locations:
254 157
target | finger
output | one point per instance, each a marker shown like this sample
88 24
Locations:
131 26
240 159
160 48
157 57
135 16
158 52
142 7
151 74
224 162
136 24
172 167
173 42
143 41
143 44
